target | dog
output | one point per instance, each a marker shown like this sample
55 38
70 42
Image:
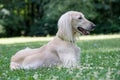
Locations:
61 51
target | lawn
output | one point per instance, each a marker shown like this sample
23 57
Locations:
100 59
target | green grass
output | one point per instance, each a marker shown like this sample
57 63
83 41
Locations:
100 59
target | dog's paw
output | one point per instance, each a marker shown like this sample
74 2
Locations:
14 66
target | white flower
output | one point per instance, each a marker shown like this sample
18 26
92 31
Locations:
55 77
78 74
118 72
35 76
96 74
108 74
100 67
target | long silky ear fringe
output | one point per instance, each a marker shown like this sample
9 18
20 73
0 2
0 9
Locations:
65 27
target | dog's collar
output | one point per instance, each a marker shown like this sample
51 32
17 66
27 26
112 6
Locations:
66 40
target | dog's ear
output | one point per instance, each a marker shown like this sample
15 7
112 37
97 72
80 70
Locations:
65 27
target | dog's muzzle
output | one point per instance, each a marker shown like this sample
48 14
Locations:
85 31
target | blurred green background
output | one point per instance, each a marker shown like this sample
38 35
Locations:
39 17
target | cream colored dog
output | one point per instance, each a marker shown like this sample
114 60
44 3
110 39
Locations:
61 51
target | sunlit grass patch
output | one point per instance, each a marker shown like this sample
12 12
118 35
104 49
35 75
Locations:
23 39
100 37
34 39
100 59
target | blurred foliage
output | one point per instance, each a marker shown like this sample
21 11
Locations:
39 17
108 19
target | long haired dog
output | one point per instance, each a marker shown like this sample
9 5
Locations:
61 51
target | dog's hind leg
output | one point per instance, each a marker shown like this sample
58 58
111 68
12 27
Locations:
32 62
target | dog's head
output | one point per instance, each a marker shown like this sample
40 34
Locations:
74 22
81 24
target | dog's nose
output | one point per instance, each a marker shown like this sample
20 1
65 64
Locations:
93 25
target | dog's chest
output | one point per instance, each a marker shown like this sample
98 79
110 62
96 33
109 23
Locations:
69 56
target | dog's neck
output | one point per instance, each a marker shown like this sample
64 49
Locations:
71 41
66 35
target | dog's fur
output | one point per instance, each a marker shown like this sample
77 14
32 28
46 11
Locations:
61 51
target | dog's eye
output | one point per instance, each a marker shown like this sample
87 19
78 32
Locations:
80 17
